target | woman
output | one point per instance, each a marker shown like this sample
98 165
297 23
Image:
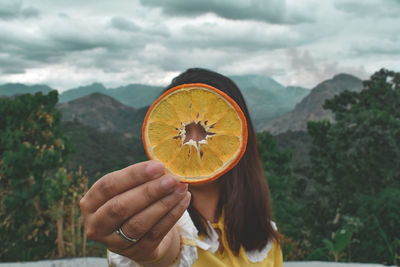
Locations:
140 214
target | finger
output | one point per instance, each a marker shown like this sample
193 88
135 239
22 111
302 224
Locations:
139 224
152 239
123 206
119 181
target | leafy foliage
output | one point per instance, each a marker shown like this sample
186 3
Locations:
284 192
38 197
357 159
31 145
379 235
63 190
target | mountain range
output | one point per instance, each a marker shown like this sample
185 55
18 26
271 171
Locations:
10 89
133 95
266 98
273 107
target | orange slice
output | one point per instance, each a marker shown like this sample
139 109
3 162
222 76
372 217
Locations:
197 131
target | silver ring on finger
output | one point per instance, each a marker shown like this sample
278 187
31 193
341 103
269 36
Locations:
125 237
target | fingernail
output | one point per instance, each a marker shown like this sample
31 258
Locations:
181 188
169 182
155 168
185 201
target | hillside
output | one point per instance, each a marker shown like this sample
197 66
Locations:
310 108
101 152
299 143
103 113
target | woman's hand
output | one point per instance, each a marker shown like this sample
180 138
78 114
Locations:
145 203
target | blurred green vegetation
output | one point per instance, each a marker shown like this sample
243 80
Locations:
343 204
335 189
31 145
101 152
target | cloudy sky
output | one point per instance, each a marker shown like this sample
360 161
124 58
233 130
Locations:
71 43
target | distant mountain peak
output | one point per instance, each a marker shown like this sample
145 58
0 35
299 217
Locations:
340 83
102 112
97 95
97 99
345 76
96 86
310 108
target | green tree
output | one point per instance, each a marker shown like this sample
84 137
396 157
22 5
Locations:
32 145
357 158
284 191
381 219
63 191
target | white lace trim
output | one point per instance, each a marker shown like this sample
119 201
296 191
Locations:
260 255
188 231
212 239
189 253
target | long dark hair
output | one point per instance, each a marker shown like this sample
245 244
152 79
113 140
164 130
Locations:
244 196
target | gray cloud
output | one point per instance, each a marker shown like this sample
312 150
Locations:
12 65
249 38
14 10
389 46
123 24
375 8
272 11
297 42
54 44
305 67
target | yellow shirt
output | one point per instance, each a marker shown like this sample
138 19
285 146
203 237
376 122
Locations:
227 258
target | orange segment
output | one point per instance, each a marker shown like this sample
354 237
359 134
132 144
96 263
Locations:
167 150
182 103
210 161
224 145
159 131
197 131
228 124
193 163
178 164
216 111
165 113
201 101
186 162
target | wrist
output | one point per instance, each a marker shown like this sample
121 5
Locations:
171 248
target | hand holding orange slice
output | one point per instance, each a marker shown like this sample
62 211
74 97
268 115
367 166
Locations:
197 131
